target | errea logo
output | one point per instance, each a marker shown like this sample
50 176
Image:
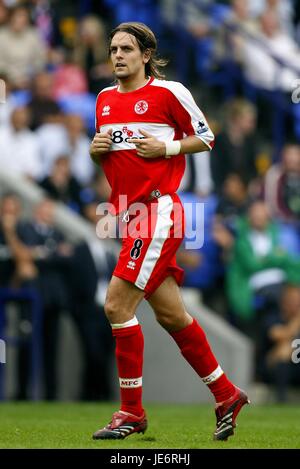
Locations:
106 111
131 265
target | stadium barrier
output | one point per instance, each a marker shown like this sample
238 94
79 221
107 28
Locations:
32 296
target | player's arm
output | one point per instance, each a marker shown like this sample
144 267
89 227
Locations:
188 118
151 147
100 145
192 144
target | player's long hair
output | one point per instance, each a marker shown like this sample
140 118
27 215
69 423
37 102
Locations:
146 41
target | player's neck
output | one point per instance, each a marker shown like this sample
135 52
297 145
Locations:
132 84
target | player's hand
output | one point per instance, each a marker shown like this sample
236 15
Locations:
148 147
100 145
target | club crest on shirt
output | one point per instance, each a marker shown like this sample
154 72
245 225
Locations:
141 107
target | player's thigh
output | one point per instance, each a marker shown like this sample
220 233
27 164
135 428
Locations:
168 306
122 300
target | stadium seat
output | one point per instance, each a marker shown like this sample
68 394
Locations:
21 98
210 266
296 113
82 104
144 11
289 238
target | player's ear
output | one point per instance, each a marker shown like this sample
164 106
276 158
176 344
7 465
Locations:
147 55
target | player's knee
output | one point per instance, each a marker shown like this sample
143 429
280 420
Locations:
167 321
172 321
116 312
112 310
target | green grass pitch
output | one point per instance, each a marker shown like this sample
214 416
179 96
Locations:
70 425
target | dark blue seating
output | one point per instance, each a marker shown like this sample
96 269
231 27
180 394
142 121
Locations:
31 295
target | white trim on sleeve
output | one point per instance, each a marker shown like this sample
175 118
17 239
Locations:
184 96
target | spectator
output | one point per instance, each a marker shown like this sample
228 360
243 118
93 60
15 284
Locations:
282 185
197 175
98 191
236 146
68 78
78 143
271 58
17 270
230 36
42 105
4 14
21 52
279 330
44 16
258 268
10 102
283 9
197 19
297 21
51 138
60 185
91 53
19 149
51 255
24 268
14 263
232 205
88 275
66 135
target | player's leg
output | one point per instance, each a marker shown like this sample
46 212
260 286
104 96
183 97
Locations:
138 259
170 312
121 303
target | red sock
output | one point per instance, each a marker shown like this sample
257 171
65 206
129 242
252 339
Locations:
129 355
196 350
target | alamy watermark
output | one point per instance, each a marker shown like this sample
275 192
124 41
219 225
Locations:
2 92
145 221
2 351
296 352
296 91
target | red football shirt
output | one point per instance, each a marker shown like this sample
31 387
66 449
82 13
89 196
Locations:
165 109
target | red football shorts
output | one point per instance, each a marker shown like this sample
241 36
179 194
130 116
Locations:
150 238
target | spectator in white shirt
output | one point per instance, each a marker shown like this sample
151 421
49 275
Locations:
261 51
19 150
282 8
66 136
78 143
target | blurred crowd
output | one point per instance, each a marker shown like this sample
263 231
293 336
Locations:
53 60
